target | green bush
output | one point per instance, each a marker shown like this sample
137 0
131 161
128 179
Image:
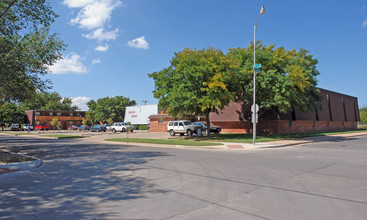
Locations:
143 127
140 127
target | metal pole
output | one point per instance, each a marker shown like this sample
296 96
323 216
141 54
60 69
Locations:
254 102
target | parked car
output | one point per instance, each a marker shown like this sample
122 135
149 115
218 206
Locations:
213 128
98 128
108 127
25 127
121 126
15 127
42 127
73 127
182 127
84 128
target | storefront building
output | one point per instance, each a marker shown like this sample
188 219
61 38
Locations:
65 118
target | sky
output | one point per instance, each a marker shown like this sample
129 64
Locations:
114 44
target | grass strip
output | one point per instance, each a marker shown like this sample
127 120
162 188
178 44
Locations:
16 159
247 138
59 136
160 141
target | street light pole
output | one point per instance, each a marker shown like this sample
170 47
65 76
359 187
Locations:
254 113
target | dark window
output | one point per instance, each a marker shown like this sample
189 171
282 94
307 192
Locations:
329 106
160 120
345 113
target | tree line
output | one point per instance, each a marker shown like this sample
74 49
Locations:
103 110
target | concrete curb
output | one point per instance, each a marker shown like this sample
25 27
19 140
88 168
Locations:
23 166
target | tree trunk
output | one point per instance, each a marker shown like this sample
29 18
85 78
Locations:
207 123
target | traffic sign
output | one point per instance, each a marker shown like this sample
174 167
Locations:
255 106
257 70
257 119
257 66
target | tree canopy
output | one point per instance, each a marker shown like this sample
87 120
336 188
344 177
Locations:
27 47
199 81
363 115
49 101
108 109
286 82
196 82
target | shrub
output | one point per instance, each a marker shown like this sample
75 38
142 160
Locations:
143 127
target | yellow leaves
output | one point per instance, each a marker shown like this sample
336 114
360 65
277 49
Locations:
215 84
299 77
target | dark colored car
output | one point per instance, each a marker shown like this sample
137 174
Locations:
84 128
213 128
73 127
41 127
98 128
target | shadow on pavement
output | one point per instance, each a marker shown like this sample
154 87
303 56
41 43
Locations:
75 180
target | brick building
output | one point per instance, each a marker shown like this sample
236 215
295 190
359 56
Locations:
339 112
65 118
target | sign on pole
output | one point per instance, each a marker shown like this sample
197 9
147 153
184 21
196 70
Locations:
257 119
255 108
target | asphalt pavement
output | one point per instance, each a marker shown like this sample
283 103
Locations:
91 179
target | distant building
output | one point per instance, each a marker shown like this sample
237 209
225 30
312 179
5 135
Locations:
65 118
339 112
139 115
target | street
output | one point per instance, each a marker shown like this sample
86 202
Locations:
81 179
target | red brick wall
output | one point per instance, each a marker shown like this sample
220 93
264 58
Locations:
155 126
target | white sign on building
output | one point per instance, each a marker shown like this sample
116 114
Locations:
140 114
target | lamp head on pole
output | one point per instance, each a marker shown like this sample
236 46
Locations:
262 10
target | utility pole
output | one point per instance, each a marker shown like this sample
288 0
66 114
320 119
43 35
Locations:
145 102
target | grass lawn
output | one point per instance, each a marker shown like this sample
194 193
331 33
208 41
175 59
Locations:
247 138
190 142
59 136
19 134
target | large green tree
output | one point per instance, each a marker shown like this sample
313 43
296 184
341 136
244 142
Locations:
27 47
196 83
286 82
108 108
10 113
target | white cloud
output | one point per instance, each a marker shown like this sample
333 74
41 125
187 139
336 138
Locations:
81 102
102 48
100 34
94 14
77 3
139 42
71 63
95 61
364 23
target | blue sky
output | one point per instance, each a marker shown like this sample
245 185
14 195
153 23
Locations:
114 44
